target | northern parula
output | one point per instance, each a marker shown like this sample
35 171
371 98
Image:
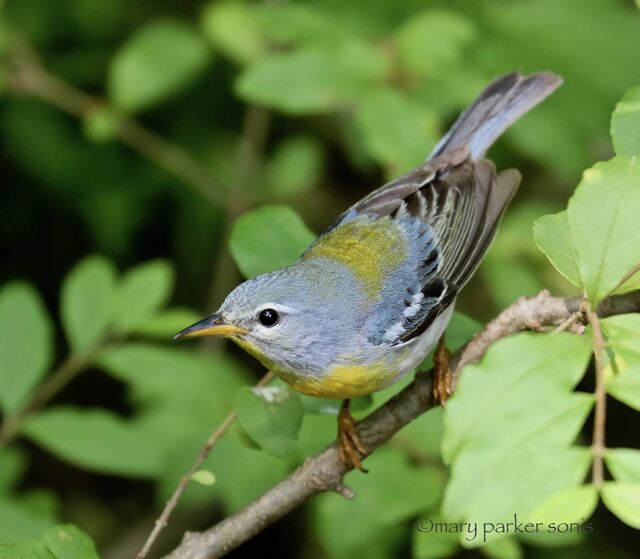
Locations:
372 296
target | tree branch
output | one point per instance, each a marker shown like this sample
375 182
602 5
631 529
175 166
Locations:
324 471
206 449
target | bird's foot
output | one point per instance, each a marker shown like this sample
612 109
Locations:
350 447
442 377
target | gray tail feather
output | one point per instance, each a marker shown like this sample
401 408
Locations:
503 102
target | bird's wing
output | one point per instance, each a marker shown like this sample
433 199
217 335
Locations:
448 209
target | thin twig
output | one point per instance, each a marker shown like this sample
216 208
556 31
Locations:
566 324
574 323
324 471
598 443
250 149
215 436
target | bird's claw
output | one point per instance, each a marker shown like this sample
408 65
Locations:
442 377
350 447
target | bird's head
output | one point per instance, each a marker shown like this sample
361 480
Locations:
286 318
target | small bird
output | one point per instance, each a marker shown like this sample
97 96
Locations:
372 296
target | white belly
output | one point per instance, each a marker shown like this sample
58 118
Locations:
414 351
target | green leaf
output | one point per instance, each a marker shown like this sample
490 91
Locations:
625 387
12 466
574 504
68 542
142 291
268 238
396 130
192 380
25 343
623 337
94 439
295 167
552 235
316 432
301 24
531 379
41 502
18 521
623 463
622 333
159 60
325 78
602 216
233 28
433 40
271 416
25 550
166 324
510 483
88 298
623 500
204 477
509 425
625 124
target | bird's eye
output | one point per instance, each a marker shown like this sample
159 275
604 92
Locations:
268 317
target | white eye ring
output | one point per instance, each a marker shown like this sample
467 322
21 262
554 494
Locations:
278 309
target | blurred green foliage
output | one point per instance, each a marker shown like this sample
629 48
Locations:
167 136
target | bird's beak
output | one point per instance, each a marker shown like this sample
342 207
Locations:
211 326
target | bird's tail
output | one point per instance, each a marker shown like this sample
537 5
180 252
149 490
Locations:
503 102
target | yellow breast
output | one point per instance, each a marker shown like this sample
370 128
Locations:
343 381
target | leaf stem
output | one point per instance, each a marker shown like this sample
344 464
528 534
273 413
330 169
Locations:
599 423
215 436
627 276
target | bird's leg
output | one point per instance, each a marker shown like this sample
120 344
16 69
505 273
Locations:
349 443
442 373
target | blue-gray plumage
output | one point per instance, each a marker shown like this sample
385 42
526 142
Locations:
373 294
